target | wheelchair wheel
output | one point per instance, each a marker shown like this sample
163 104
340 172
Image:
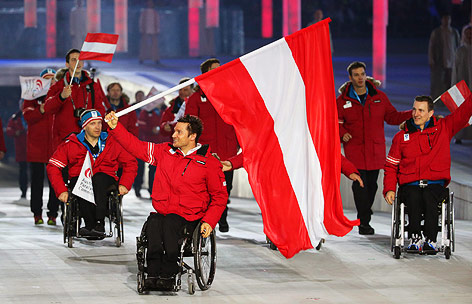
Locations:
396 252
118 222
69 223
204 258
191 283
140 283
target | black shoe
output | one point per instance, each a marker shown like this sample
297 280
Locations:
85 232
366 229
223 227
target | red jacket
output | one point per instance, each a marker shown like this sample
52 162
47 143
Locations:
17 124
168 116
3 148
130 120
64 120
366 148
149 121
71 153
39 139
191 186
416 155
219 135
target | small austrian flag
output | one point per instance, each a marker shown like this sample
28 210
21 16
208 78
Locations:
99 46
455 96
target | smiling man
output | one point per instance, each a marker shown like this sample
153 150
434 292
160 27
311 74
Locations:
189 187
420 160
362 110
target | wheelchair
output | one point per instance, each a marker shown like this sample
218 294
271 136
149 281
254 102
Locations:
193 244
72 219
446 244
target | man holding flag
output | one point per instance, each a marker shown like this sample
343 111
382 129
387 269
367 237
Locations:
91 157
67 98
420 160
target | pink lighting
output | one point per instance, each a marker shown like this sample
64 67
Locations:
267 23
30 16
291 16
193 28
51 13
379 40
93 16
212 13
121 24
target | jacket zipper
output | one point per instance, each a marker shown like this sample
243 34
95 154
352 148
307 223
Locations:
186 167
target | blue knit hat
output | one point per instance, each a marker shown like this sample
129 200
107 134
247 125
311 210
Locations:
47 72
89 115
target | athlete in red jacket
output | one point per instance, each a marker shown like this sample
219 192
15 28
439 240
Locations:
420 161
107 156
219 135
189 187
16 128
168 117
38 152
65 101
362 110
116 101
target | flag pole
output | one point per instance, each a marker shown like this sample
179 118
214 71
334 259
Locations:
73 74
437 99
155 97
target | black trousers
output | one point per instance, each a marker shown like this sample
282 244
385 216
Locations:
165 235
102 185
229 186
421 201
37 185
152 172
364 197
23 177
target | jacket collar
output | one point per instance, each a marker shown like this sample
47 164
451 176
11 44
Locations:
411 127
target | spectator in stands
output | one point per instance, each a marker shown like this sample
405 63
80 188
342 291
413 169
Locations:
443 43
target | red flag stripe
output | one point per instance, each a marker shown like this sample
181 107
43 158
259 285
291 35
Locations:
261 153
311 51
96 56
101 37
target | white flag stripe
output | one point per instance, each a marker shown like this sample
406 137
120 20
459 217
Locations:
291 128
98 47
456 95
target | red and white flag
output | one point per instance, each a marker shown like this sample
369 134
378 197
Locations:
455 96
99 46
281 101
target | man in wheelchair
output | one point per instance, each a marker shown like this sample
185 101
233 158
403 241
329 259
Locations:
189 187
420 161
105 156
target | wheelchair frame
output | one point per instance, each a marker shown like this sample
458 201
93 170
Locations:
203 251
447 240
72 219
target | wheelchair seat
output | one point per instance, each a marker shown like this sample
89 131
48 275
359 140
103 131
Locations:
399 226
192 245
72 219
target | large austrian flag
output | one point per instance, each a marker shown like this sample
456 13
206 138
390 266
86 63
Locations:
281 101
99 46
455 96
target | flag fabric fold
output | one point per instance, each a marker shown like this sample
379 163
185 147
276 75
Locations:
99 46
281 101
34 87
455 96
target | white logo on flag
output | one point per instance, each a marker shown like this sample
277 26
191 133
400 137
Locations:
34 87
84 188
